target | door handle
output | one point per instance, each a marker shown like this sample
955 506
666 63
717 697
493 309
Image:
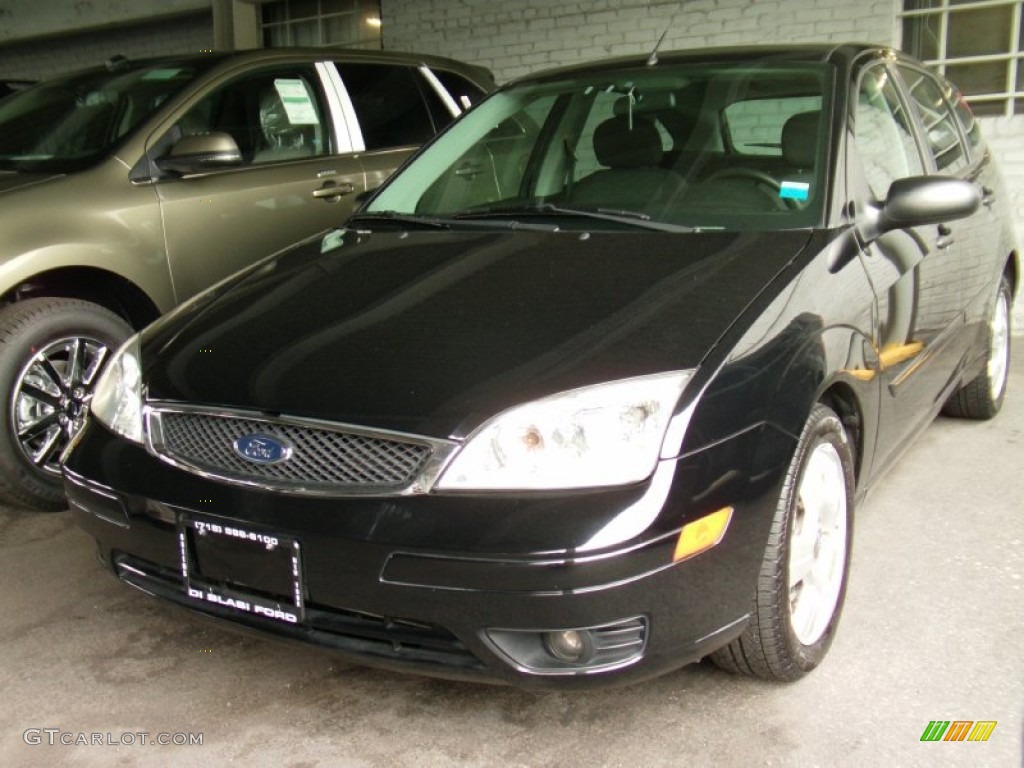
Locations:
945 238
332 191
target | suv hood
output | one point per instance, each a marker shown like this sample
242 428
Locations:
11 180
434 332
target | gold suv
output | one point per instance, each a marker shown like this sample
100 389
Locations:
127 189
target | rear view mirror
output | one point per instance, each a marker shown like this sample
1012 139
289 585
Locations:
201 153
919 200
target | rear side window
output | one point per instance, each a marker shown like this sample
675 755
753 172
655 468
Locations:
939 123
968 122
388 104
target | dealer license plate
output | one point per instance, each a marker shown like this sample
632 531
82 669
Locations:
235 567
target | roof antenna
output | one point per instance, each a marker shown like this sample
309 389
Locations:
653 58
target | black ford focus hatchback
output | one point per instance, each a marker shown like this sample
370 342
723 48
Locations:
588 391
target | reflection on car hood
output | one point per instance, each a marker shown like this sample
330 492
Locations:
432 332
10 180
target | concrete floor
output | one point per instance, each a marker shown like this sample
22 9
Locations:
933 630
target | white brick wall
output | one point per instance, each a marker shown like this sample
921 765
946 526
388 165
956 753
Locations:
515 37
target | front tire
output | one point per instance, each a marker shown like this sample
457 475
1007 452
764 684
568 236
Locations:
52 351
806 562
982 397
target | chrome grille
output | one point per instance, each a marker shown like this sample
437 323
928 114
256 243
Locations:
322 458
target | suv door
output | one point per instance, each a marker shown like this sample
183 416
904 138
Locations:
297 174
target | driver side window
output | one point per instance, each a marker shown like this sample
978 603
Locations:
273 116
884 138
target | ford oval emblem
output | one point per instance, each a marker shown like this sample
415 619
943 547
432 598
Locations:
263 449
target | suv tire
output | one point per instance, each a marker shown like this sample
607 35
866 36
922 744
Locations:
52 351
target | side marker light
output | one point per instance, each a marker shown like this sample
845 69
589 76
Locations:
703 534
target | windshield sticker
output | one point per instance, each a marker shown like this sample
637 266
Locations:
794 190
297 103
161 74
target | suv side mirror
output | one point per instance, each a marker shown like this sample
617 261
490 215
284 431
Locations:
202 152
919 200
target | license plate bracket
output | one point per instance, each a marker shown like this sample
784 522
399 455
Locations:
237 567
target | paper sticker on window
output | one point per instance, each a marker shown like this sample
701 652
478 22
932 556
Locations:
794 190
297 103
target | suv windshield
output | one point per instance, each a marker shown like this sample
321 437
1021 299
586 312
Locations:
735 145
69 123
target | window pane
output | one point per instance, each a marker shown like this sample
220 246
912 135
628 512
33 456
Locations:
940 129
342 29
273 116
388 104
981 32
755 126
884 139
303 9
305 33
965 114
920 5
921 36
988 77
988 108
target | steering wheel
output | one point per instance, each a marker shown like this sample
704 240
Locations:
783 204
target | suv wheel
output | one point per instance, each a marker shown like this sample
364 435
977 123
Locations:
51 353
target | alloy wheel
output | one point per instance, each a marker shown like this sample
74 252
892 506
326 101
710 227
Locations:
817 547
51 397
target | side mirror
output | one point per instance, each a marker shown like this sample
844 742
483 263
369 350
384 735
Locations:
919 200
201 153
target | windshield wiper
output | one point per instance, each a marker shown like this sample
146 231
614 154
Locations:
631 218
401 218
448 222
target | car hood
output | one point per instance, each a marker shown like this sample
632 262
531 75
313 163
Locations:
433 332
11 180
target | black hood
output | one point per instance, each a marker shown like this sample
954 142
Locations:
432 332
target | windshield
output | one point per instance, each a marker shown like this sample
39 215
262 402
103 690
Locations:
69 123
731 146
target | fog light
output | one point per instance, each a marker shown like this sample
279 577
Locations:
576 651
569 645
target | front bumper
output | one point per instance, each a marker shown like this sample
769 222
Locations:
436 584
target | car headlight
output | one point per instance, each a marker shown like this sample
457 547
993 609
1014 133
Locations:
602 435
117 398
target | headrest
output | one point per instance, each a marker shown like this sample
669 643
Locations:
617 145
800 139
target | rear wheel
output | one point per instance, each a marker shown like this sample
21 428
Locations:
982 397
803 576
51 354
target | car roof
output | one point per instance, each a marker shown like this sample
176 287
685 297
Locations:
212 60
844 53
